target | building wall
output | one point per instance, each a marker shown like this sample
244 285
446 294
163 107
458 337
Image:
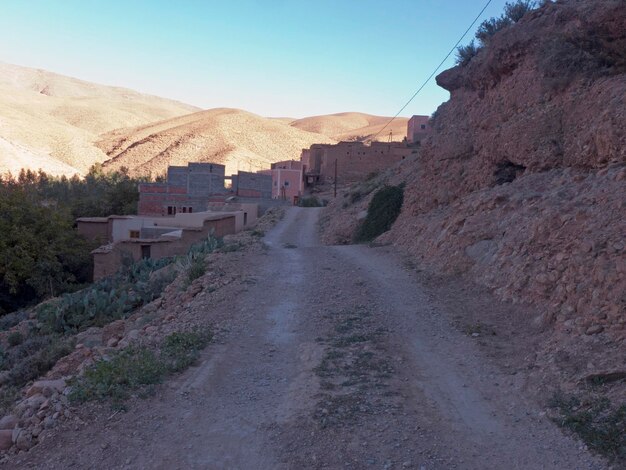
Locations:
287 184
108 260
356 161
96 229
248 184
418 127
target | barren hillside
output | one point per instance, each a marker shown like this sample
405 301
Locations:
236 138
50 121
521 186
352 126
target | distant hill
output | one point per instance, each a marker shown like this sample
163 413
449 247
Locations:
50 121
64 125
233 137
353 126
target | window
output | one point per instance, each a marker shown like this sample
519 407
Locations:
423 126
190 209
134 234
170 210
286 184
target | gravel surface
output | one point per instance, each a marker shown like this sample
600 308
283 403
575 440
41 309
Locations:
325 357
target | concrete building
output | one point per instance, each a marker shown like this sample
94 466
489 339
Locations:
192 188
248 184
418 127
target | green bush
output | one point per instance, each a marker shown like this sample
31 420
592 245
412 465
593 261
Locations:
15 338
599 424
136 367
181 349
464 54
106 300
128 370
312 201
382 212
37 356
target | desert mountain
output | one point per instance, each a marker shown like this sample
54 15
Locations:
353 126
235 138
50 121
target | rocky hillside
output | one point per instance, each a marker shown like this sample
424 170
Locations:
50 121
522 185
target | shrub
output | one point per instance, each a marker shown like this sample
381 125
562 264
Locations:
382 212
15 338
11 319
515 11
38 358
106 300
464 54
182 349
489 28
136 367
127 370
601 426
310 202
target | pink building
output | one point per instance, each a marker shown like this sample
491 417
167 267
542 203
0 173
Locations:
417 128
287 180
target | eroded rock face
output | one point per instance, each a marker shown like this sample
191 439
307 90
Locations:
522 182
548 92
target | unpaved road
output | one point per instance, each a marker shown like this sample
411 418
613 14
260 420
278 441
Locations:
336 357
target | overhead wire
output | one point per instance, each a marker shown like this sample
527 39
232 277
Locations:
433 73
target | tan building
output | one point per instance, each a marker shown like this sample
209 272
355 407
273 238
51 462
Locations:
418 127
352 161
138 237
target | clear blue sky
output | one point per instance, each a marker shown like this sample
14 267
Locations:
272 57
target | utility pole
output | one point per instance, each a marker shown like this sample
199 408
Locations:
335 177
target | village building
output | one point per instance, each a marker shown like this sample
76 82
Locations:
194 187
137 237
418 127
350 161
287 180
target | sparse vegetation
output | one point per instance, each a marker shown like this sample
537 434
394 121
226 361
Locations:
33 357
15 338
106 300
311 201
382 212
463 56
513 12
599 424
193 265
137 367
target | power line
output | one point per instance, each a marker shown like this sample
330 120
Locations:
434 71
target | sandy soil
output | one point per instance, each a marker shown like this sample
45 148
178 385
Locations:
330 357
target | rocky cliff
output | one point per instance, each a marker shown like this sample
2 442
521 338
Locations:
522 185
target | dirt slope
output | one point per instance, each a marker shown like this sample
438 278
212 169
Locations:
236 138
353 126
522 184
350 362
56 119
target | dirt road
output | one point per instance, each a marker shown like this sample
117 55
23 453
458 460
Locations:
335 357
